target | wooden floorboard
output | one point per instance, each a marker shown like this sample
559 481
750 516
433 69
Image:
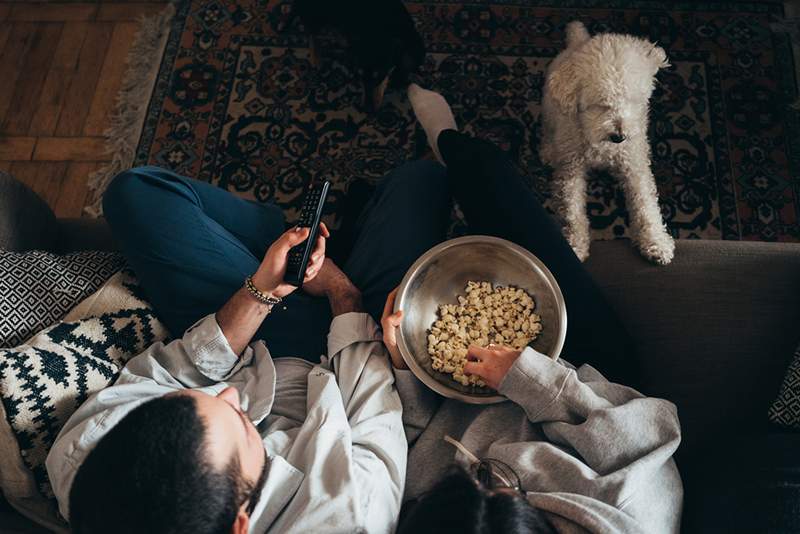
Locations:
74 189
78 98
62 64
5 31
31 80
12 61
16 148
60 75
53 12
127 12
111 74
70 149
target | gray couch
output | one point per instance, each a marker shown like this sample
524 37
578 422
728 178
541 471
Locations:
716 330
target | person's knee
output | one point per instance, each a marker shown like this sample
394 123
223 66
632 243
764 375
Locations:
472 152
123 187
420 178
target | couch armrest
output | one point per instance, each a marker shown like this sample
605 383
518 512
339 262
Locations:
26 221
84 234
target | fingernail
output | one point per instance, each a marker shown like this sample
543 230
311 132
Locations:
298 229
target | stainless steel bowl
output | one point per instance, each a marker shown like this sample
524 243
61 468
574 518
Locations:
441 274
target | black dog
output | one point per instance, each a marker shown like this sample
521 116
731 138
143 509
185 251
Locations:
381 39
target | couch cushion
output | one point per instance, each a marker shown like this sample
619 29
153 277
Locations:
26 221
44 381
38 288
715 329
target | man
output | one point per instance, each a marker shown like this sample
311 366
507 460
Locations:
209 433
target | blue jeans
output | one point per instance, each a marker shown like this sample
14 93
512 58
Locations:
192 244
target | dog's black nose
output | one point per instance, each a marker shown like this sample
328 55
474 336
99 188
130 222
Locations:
616 138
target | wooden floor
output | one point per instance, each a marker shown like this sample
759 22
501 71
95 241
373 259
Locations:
61 66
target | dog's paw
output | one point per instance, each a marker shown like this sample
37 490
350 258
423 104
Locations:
661 252
579 241
581 250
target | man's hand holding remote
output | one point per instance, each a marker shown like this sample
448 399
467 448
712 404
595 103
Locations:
269 277
243 314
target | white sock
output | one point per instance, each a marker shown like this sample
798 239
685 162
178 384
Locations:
433 113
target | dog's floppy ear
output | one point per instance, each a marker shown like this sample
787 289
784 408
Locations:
562 84
658 57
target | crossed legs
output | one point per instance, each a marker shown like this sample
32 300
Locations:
192 244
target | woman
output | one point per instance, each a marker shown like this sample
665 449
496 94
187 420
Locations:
571 451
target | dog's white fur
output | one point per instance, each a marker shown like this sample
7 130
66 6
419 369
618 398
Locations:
596 89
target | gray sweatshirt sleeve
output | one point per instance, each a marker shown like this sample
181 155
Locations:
419 403
624 441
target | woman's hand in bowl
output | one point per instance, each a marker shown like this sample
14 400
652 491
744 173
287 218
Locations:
491 363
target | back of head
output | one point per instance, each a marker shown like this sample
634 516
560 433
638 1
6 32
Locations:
150 474
459 504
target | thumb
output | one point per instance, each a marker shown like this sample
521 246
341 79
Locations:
396 318
296 236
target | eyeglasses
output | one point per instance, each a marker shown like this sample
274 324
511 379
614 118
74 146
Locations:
494 474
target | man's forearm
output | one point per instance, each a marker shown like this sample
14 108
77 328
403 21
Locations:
345 301
240 318
344 296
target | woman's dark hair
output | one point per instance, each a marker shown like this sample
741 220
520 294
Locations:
459 504
151 473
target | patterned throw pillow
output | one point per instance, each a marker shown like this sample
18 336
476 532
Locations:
45 380
785 411
38 288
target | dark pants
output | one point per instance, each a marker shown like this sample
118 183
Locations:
192 245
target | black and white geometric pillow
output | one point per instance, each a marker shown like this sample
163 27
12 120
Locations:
785 411
38 288
43 382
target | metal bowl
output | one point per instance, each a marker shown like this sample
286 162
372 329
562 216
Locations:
442 273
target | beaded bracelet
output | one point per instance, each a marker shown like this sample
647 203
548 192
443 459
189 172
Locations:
259 296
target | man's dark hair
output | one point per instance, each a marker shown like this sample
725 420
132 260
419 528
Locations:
459 504
151 473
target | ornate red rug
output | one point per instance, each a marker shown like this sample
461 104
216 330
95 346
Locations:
239 104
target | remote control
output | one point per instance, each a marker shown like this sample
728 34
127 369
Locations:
310 216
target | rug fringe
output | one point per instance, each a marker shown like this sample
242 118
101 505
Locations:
127 120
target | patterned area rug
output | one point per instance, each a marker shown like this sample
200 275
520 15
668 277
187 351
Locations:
239 104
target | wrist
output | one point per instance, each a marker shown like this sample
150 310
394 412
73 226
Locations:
345 300
264 284
266 299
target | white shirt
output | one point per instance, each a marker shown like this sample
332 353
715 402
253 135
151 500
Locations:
337 453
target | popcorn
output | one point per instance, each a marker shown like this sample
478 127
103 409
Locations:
500 315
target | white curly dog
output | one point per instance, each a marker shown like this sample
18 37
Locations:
595 114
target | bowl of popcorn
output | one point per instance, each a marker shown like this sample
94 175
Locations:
475 290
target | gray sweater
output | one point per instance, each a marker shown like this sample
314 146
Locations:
595 456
